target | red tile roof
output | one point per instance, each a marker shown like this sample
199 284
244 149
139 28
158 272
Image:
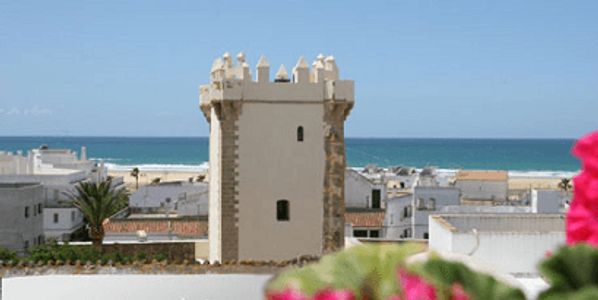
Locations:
190 228
365 218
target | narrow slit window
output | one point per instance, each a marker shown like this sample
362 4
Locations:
300 134
282 210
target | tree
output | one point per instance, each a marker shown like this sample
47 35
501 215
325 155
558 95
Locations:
201 178
135 173
156 180
98 202
565 184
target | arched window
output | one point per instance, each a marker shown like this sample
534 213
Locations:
282 210
300 134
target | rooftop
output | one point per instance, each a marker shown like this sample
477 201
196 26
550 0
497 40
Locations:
513 222
365 218
185 227
482 175
17 184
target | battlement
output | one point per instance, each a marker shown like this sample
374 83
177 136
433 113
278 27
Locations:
234 81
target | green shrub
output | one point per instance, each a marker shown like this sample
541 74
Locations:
66 252
141 256
7 255
160 257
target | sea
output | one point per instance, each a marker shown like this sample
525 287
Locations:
522 157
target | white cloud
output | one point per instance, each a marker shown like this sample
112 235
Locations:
13 111
30 111
38 111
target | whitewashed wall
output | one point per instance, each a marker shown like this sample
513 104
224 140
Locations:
511 252
483 189
358 190
69 219
508 251
135 287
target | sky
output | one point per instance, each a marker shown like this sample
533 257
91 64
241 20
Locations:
447 69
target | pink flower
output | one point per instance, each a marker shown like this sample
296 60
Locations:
288 294
582 217
415 287
586 149
586 190
329 294
582 224
458 293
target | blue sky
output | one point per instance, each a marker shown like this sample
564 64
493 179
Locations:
422 68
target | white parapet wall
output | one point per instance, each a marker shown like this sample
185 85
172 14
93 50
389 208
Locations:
135 287
513 243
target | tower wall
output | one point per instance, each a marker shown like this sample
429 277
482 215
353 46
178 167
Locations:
273 166
256 159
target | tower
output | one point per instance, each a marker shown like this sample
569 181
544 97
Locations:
277 159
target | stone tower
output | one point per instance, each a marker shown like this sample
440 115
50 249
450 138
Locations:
277 159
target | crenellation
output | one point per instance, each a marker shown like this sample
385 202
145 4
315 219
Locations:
301 71
330 68
281 75
263 70
234 82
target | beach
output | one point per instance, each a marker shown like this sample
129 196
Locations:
146 176
517 180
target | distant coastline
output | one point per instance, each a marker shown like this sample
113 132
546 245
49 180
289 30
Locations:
522 157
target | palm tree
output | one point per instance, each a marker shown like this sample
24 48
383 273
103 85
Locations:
201 178
98 201
135 173
565 184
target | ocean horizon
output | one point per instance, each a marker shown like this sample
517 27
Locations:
543 157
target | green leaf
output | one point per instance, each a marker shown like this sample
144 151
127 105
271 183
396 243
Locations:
367 270
444 274
570 269
587 293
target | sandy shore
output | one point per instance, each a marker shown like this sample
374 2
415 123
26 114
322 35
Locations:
146 177
533 182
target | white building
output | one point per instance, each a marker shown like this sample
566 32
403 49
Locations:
61 221
483 185
400 180
58 171
277 159
21 218
428 177
362 191
550 201
512 243
407 215
181 198
398 218
485 209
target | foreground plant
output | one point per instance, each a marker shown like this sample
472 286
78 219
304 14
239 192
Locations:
381 272
98 202
572 271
